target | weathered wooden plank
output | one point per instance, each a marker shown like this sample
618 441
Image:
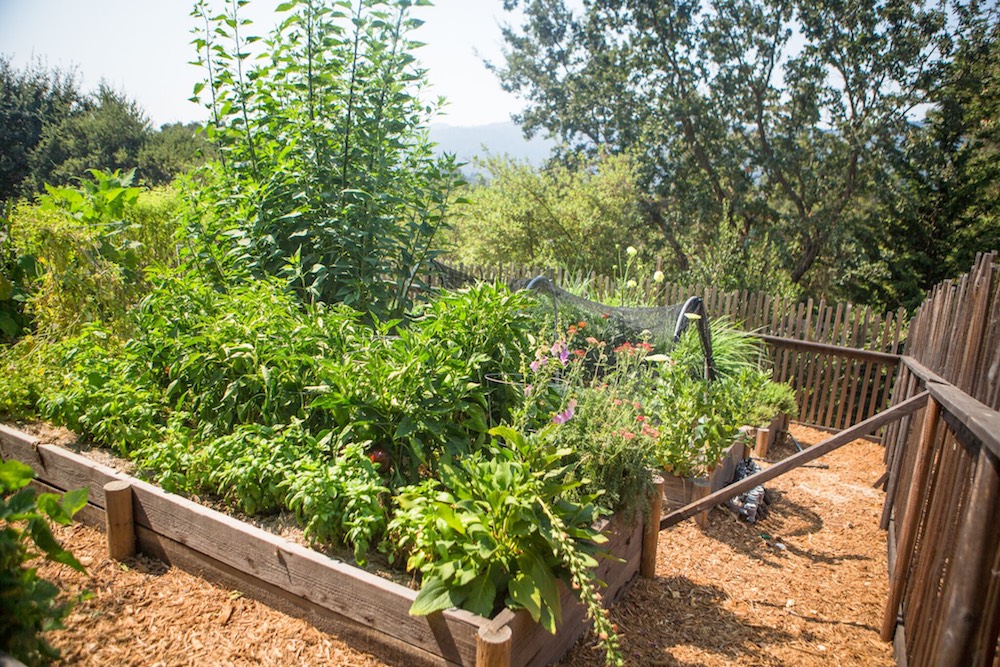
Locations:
825 348
863 428
975 546
908 535
963 412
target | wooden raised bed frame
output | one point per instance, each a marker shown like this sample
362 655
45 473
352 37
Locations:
369 612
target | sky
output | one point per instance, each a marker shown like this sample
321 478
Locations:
142 47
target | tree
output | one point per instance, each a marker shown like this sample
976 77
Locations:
106 132
175 149
580 219
937 202
765 114
30 101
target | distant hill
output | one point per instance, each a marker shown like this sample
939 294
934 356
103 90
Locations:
495 139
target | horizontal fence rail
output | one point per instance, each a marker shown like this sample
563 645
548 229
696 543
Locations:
845 378
942 501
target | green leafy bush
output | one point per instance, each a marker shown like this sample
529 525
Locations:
30 607
497 528
326 174
556 216
342 499
83 251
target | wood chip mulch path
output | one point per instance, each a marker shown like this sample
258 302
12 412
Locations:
805 586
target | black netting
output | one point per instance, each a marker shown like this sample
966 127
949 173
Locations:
661 325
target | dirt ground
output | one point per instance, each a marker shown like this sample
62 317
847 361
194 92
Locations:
805 586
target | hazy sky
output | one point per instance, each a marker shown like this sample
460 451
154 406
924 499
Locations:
143 46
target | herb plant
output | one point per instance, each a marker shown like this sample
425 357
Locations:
497 528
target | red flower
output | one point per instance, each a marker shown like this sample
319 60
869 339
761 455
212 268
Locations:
579 353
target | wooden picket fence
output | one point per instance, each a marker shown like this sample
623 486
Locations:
943 489
844 377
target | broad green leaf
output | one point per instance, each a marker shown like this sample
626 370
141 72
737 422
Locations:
526 594
434 596
15 475
482 593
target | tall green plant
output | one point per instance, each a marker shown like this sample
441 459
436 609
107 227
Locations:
326 163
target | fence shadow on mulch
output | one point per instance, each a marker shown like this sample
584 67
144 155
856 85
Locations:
665 612
760 541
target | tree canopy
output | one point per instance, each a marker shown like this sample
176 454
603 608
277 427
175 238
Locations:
774 117
53 132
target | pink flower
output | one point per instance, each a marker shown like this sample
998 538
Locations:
538 363
528 388
560 350
566 414
628 435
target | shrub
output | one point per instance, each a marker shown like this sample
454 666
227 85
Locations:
554 216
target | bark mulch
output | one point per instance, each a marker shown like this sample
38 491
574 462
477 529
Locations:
805 586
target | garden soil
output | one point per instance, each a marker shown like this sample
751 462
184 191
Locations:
805 586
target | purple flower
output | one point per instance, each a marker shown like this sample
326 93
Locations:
566 414
560 350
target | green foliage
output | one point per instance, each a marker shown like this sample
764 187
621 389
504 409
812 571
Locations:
30 607
15 269
553 216
105 132
733 349
84 251
740 129
173 150
31 101
327 177
937 199
339 501
424 394
500 524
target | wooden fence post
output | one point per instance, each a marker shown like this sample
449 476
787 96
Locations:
120 524
493 646
651 534
763 438
911 518
701 489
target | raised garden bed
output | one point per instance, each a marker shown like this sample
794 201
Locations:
363 607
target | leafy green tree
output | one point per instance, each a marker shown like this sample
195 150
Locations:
31 100
106 133
938 199
579 218
326 168
761 113
174 149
